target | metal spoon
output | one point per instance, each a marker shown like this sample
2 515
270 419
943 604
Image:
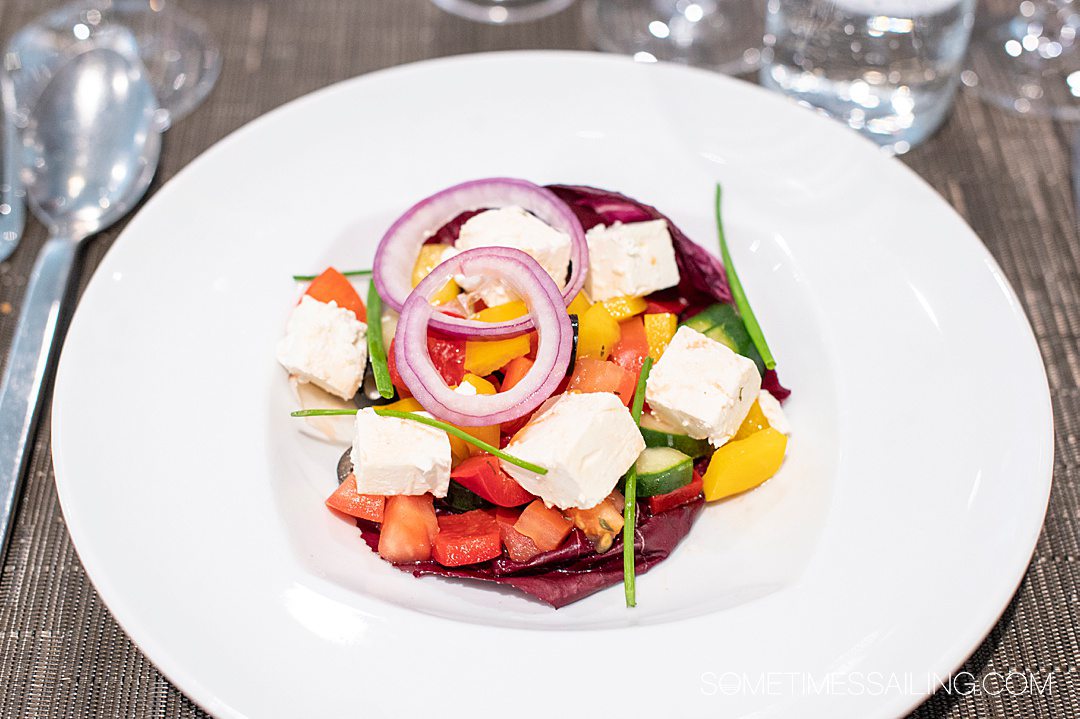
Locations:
33 55
90 151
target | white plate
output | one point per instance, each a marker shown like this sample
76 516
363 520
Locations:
887 546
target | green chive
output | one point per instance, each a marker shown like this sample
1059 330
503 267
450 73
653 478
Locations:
375 346
630 489
350 273
737 292
430 422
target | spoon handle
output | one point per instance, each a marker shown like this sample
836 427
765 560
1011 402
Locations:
27 366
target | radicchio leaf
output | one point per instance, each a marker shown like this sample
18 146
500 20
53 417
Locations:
702 277
574 570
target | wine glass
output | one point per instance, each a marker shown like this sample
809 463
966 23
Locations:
724 35
181 59
498 12
1029 63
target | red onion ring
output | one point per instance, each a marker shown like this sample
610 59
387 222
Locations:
397 251
546 311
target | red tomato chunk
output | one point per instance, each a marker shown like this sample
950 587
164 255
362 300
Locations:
332 286
409 527
467 538
483 475
543 525
593 375
347 500
518 546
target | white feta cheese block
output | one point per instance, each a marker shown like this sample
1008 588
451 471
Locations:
325 345
631 259
702 387
398 456
511 227
774 414
585 441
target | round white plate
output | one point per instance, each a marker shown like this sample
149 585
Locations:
872 564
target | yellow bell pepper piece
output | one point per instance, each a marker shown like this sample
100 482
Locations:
460 450
755 422
744 464
502 313
623 308
483 357
597 333
429 258
409 404
659 329
579 305
481 385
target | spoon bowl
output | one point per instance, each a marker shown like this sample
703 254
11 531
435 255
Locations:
90 149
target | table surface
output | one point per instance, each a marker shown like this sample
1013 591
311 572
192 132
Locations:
62 653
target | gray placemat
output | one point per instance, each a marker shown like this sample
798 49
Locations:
63 655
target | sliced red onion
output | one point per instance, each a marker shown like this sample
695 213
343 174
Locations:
547 313
396 255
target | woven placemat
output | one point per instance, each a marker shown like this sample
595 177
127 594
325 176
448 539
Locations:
63 655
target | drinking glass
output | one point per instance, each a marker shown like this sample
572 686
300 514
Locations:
723 35
1029 62
498 12
181 59
887 68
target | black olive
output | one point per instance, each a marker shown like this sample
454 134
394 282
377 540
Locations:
344 466
573 348
369 396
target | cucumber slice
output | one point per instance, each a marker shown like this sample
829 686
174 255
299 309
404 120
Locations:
660 434
723 324
661 470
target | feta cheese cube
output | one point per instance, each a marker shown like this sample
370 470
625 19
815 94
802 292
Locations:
630 260
702 387
325 345
585 441
774 414
511 227
398 456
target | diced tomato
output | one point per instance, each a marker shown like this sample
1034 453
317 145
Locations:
633 345
483 475
447 354
347 500
592 375
408 529
520 547
515 371
660 302
331 285
545 526
494 381
466 538
682 495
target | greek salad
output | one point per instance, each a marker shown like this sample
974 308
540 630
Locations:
544 387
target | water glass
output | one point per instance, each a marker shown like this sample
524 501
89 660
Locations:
887 68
